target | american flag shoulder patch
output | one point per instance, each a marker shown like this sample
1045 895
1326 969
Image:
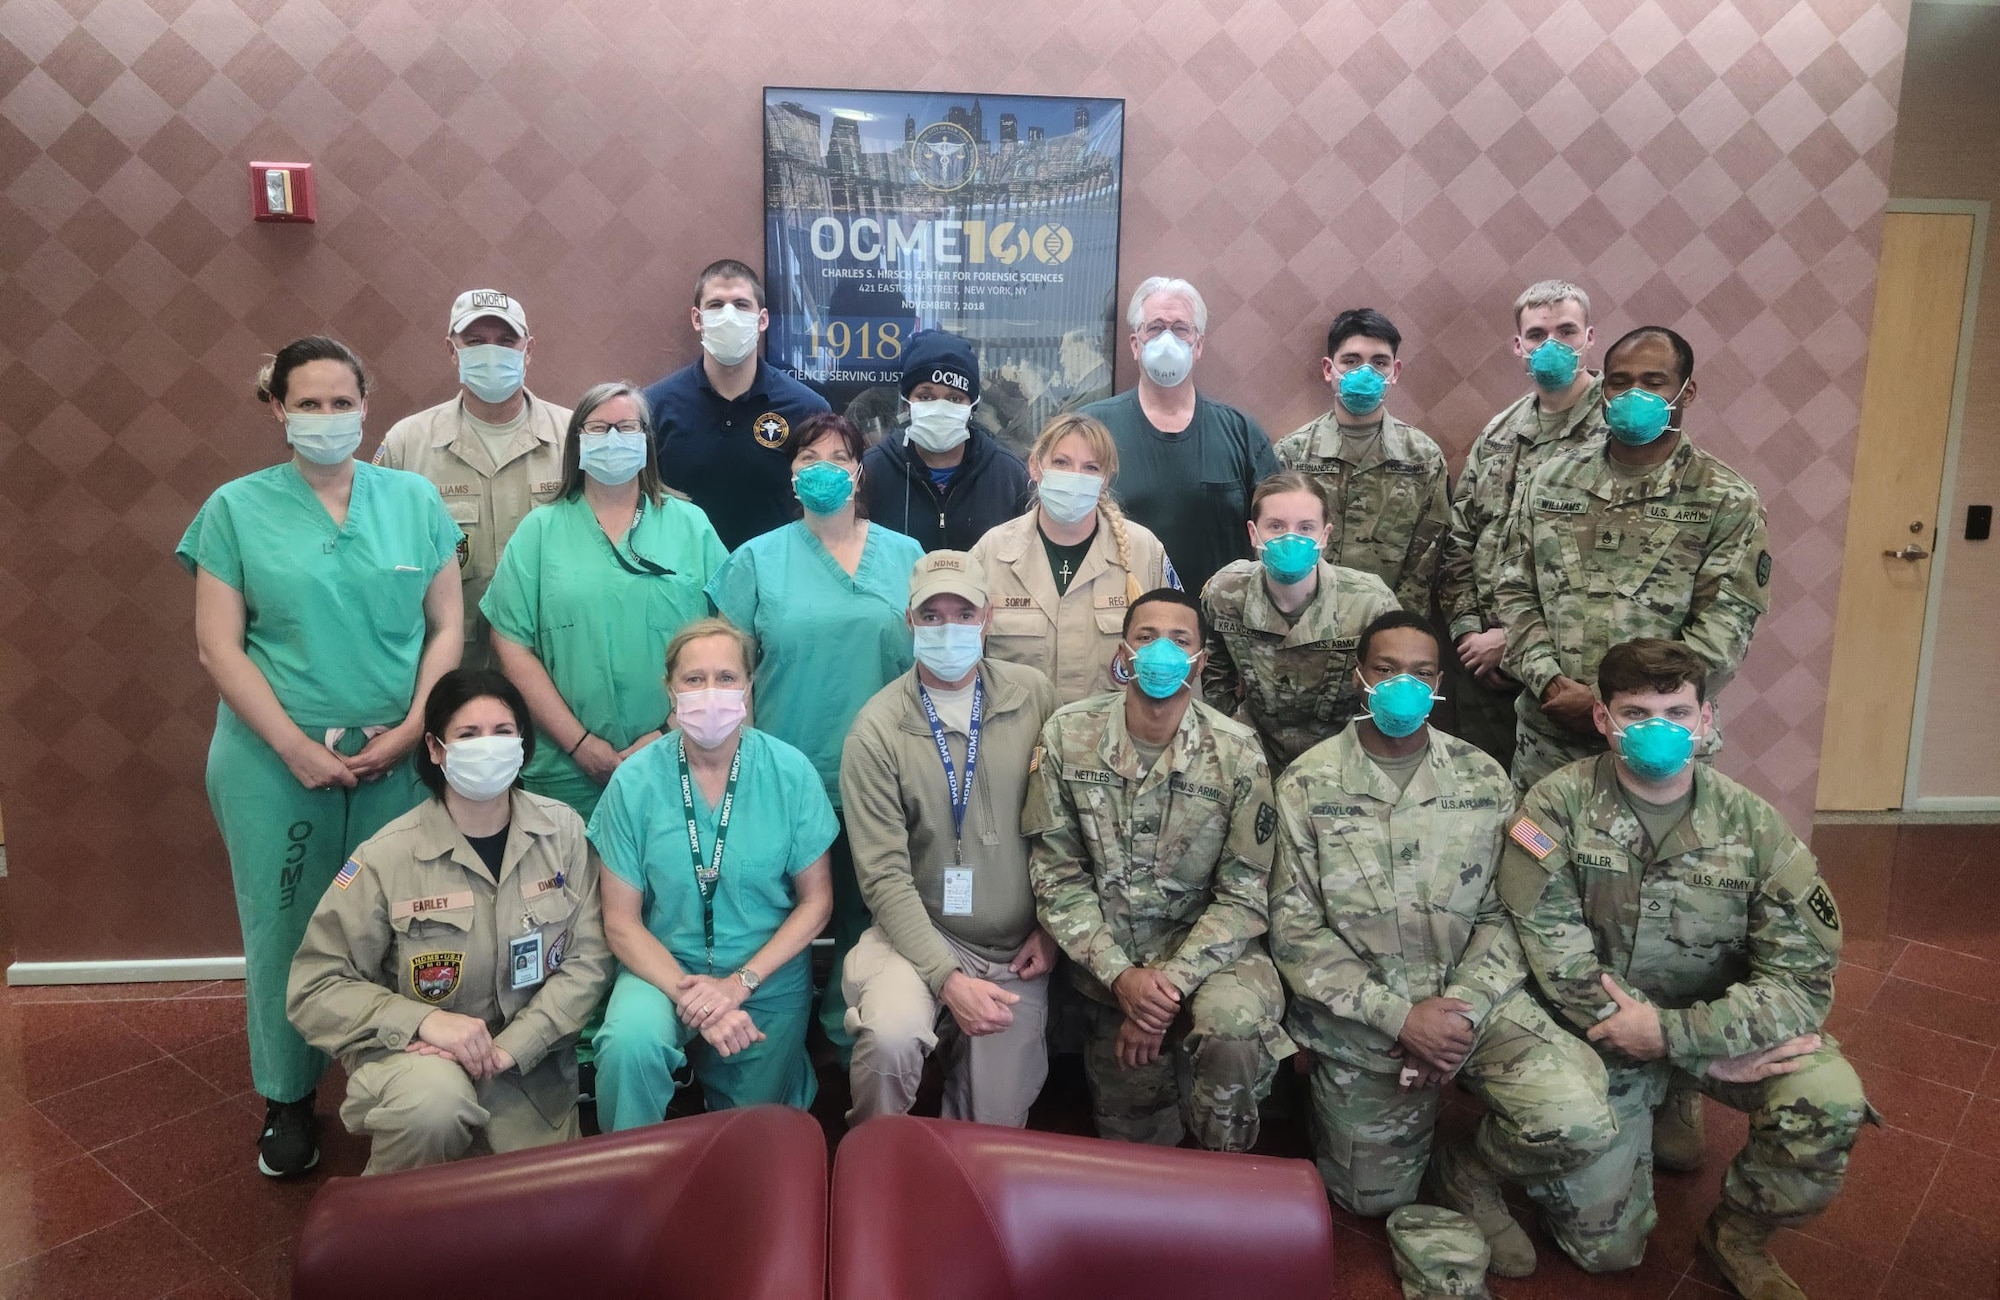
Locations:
1532 838
348 872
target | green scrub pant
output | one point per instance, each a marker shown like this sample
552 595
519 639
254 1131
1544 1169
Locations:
285 845
644 1050
851 918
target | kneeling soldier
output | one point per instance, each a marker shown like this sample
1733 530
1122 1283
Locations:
1404 969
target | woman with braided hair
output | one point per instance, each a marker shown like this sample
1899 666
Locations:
1062 575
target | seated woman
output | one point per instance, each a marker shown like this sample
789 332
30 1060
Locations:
458 951
715 846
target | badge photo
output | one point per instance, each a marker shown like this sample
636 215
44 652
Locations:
434 976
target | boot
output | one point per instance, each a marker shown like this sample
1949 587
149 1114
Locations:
1460 1180
1677 1134
1734 1243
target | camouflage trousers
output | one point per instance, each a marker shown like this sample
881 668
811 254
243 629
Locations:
1217 1063
1541 745
1801 1128
1484 716
1546 1113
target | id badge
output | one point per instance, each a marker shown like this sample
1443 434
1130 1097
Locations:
958 891
524 960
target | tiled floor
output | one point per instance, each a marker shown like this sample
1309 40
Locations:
127 1122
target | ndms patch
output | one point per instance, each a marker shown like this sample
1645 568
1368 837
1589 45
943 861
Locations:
434 976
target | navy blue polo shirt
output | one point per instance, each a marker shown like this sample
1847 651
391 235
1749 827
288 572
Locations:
733 459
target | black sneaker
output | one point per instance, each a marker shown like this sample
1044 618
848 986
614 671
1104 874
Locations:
289 1145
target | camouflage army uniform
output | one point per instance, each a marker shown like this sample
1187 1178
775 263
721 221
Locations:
1439 1254
1389 501
1508 451
1728 929
1381 899
1292 680
1596 557
1171 871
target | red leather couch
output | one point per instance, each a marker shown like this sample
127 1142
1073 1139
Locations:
928 1209
731 1204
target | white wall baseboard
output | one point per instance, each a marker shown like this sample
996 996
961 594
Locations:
125 972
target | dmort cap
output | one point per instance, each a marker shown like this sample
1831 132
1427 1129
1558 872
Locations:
947 572
474 303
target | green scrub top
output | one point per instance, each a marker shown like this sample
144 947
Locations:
599 628
333 617
825 642
781 825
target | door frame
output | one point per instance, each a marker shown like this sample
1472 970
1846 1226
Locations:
1979 210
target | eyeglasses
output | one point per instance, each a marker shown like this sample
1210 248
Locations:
1181 330
625 426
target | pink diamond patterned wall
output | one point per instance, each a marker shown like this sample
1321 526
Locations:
1716 167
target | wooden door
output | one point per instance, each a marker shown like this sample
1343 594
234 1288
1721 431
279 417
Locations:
1892 516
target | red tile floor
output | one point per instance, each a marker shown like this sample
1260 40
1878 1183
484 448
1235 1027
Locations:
127 1122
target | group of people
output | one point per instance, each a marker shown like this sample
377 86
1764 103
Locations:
561 734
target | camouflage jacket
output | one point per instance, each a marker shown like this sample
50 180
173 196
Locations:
1390 505
1506 454
1595 558
1170 870
1292 681
1383 898
1726 927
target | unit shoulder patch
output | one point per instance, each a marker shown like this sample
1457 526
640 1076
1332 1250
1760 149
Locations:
1267 822
1820 903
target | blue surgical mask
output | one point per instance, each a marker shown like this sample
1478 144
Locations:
1290 558
949 650
1656 749
1553 364
324 439
1638 416
1399 704
1361 389
1161 668
823 487
491 372
612 457
1069 497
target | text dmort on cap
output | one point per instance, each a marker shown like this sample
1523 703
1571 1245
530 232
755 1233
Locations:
953 573
474 303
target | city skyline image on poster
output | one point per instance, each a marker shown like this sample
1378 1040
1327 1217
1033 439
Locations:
992 216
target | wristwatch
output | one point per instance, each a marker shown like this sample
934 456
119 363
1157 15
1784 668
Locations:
751 979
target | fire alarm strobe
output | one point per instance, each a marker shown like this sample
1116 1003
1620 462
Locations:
282 191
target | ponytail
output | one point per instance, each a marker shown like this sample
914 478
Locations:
1123 539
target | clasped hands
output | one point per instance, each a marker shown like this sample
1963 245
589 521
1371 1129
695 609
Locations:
1633 1027
714 1007
462 1040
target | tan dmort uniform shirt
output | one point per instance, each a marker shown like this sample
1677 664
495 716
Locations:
420 926
1070 638
486 496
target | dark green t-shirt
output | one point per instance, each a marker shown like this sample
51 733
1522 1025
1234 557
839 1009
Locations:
1191 488
1064 561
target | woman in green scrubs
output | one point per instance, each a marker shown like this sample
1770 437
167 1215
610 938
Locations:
825 599
326 606
589 591
714 843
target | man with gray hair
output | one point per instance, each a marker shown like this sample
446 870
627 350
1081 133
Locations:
1186 463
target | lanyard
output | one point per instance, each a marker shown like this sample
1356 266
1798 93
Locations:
961 796
707 877
638 565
